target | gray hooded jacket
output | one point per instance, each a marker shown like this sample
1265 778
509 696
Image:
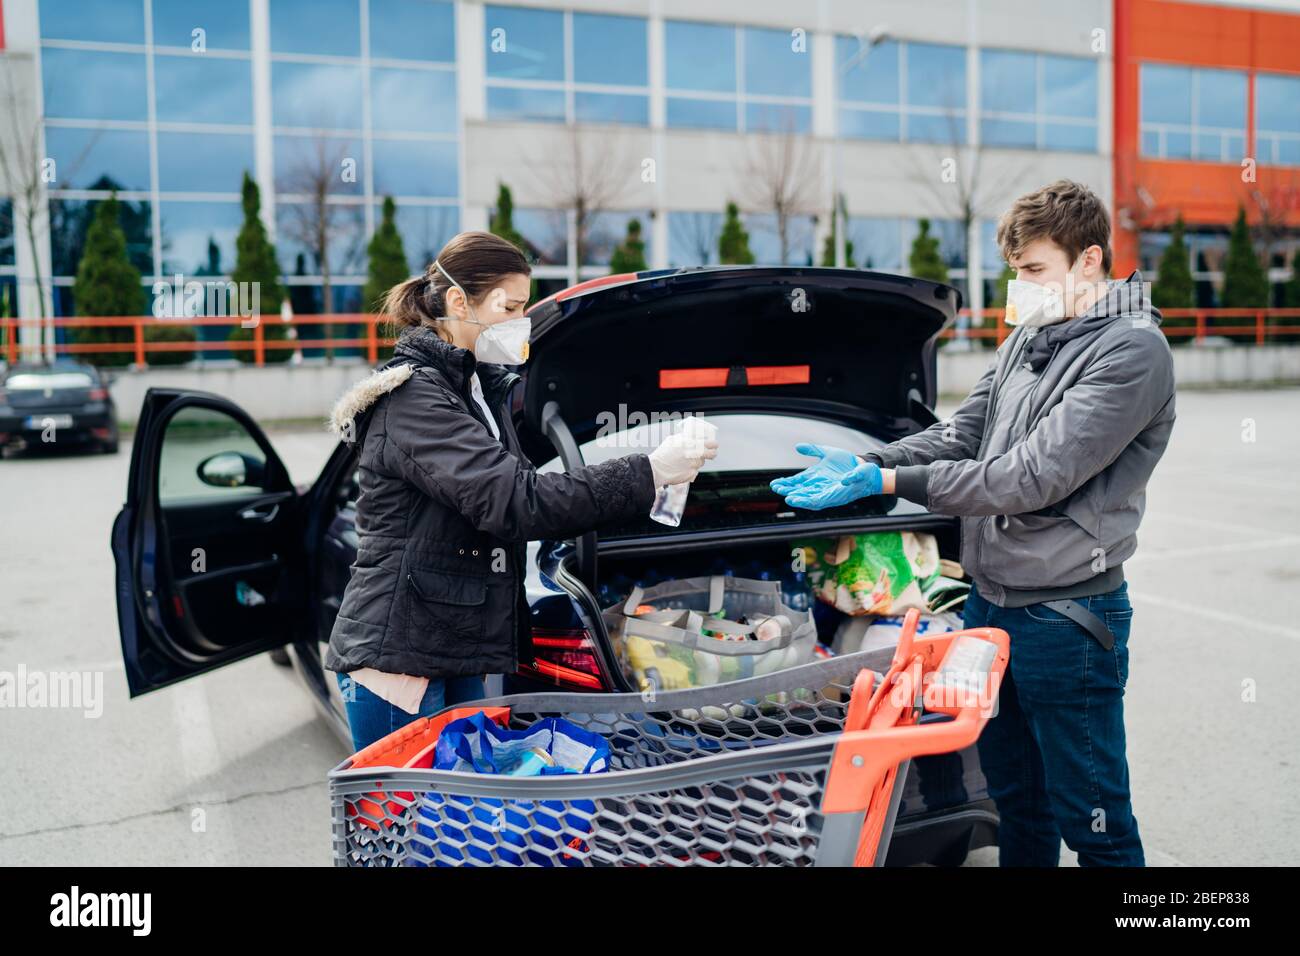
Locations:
1047 460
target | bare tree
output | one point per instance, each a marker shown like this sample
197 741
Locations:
698 234
1275 203
965 189
310 218
589 175
21 166
782 177
24 170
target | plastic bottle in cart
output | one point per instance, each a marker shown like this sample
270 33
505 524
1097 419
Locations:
670 500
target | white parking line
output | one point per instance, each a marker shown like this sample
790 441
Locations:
202 763
1237 621
1288 541
1233 526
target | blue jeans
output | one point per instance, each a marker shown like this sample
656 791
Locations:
371 718
1053 754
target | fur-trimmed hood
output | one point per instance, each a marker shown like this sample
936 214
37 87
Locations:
363 394
416 346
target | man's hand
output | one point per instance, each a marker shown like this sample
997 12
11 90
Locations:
837 478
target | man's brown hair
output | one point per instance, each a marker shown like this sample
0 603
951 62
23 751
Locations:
1068 213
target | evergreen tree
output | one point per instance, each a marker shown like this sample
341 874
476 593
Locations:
502 224
255 263
388 265
925 261
733 241
1245 284
828 249
1174 288
629 255
107 284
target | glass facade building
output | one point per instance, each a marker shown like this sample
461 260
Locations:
331 105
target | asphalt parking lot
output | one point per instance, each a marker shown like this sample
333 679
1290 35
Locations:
230 768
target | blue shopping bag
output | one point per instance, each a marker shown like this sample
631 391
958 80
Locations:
465 830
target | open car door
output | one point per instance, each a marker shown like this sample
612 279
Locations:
209 545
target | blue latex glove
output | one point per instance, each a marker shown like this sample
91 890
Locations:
837 478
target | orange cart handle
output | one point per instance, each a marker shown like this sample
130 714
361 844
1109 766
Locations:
863 754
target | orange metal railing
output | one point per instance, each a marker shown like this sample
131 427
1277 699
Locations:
140 347
1255 326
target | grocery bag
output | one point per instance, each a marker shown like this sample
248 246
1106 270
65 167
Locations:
694 632
466 830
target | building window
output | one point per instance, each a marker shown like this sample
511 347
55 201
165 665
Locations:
884 244
94 84
425 229
736 78
387 127
901 91
193 88
560 66
102 21
320 27
1277 119
608 229
199 237
765 239
693 238
98 130
1193 113
412 30
1035 101
224 24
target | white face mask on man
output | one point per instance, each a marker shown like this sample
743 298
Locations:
1038 304
1032 304
501 343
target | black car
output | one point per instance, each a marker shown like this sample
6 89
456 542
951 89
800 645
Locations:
219 557
57 404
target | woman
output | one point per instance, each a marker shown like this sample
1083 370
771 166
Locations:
448 499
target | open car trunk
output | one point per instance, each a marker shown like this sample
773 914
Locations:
766 559
807 349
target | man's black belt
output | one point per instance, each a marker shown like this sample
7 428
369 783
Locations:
1086 619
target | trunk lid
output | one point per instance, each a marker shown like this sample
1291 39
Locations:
835 342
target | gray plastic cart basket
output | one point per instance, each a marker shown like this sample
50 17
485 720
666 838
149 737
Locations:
757 772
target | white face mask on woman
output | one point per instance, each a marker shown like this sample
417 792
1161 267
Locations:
502 343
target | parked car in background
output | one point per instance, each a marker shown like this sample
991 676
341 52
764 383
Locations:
62 403
773 356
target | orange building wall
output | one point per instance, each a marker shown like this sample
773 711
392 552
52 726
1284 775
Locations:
1150 192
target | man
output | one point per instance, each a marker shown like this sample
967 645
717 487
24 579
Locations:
1046 462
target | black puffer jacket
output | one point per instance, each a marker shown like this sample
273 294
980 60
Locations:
444 513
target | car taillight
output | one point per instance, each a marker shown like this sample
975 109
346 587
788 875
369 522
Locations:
98 394
565 657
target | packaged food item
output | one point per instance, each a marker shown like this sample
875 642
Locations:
884 572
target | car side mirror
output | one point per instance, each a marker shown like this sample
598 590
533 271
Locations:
232 469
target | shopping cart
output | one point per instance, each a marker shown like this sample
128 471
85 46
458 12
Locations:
802 767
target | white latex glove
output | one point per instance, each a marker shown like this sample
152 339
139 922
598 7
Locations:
680 456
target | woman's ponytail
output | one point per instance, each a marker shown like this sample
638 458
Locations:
413 303
478 260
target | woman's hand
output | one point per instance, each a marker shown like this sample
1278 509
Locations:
679 458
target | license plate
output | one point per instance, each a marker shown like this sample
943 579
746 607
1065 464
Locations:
49 421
